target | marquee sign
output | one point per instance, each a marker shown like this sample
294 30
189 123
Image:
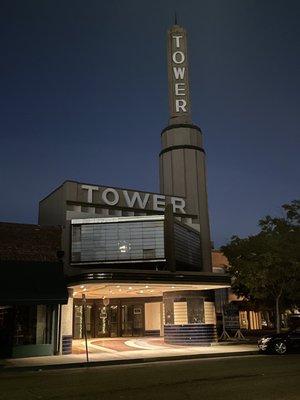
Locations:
128 198
178 72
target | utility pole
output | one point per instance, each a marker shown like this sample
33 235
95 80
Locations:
84 327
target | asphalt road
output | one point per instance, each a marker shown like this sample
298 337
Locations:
235 378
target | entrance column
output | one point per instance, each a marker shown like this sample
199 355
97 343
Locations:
67 325
185 320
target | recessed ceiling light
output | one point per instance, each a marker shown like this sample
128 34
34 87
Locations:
130 288
84 289
118 286
146 286
81 286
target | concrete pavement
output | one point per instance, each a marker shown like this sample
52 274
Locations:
117 351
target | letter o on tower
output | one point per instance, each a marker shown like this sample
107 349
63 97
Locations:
178 57
114 197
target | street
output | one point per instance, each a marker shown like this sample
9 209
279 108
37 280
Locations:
238 378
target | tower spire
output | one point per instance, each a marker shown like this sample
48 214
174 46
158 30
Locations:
182 158
175 19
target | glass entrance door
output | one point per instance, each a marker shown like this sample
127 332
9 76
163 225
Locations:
132 320
118 318
101 321
88 320
77 318
78 328
113 320
127 319
106 321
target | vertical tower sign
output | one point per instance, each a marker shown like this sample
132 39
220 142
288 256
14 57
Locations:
182 158
179 94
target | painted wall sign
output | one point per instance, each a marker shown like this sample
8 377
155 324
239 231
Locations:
131 199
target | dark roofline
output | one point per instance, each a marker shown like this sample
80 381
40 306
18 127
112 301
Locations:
53 191
58 227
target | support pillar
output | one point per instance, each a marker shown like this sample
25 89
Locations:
185 319
67 325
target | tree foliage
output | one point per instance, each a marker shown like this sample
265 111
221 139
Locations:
265 267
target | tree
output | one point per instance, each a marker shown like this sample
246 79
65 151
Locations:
266 267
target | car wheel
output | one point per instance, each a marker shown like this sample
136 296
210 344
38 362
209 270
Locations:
280 348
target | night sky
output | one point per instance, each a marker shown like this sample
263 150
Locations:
83 91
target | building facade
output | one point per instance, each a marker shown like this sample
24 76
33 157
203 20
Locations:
139 263
33 290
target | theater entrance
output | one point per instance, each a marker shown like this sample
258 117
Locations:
109 318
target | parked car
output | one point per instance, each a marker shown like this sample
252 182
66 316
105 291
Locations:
280 343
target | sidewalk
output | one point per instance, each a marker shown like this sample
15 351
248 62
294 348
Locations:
125 351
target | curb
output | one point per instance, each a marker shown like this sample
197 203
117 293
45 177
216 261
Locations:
7 369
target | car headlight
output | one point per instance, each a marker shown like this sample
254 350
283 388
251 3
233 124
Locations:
265 340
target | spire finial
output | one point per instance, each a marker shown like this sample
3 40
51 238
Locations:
176 21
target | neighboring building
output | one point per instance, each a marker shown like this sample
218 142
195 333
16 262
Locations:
32 289
249 319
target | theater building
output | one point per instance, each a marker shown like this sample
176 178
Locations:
139 263
135 263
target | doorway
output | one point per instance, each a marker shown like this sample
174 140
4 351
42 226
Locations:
116 318
132 320
106 320
6 331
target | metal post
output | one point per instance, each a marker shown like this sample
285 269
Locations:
58 336
84 327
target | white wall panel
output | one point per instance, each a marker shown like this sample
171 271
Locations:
180 313
209 312
152 316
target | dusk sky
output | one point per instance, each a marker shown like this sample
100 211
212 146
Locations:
83 91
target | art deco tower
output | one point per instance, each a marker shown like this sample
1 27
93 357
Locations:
182 158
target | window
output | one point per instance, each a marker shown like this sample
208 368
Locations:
113 241
76 234
33 325
187 247
149 253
